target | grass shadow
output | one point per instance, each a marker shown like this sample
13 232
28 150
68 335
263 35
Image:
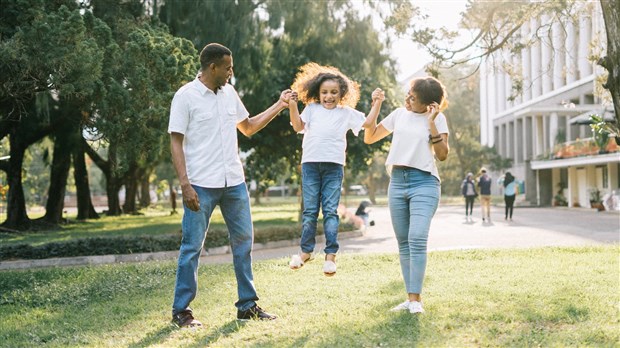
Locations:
218 333
155 337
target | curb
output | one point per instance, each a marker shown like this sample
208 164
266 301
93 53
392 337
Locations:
155 256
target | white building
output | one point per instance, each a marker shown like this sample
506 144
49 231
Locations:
535 127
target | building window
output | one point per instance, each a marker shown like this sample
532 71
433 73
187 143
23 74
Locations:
605 178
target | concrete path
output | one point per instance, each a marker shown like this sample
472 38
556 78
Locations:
531 227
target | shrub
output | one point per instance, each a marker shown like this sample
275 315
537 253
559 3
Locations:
140 244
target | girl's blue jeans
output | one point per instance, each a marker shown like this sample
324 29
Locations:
234 204
321 185
413 196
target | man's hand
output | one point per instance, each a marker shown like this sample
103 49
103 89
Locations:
190 197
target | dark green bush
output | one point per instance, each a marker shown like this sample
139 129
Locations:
139 244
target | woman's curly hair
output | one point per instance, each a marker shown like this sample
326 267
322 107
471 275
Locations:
308 82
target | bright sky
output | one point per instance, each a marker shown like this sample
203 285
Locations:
409 56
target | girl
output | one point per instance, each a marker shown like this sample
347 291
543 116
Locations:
330 98
420 135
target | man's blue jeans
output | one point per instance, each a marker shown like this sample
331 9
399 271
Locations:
321 184
413 196
234 203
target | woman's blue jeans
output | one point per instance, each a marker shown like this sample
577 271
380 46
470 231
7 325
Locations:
234 204
321 185
413 196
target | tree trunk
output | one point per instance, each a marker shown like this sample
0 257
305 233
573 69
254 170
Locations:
145 189
131 188
16 218
80 175
611 16
173 200
112 182
61 163
372 187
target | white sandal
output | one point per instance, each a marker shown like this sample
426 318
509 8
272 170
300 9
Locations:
297 263
329 268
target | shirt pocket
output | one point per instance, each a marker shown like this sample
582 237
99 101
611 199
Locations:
231 113
202 116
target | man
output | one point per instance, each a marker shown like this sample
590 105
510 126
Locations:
204 117
484 184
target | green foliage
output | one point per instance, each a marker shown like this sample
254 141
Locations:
601 130
269 41
472 298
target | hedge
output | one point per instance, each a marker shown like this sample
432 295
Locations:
139 244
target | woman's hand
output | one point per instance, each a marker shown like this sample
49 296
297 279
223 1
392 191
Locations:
433 109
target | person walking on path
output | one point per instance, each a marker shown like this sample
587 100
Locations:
484 185
330 98
468 189
420 135
204 118
510 193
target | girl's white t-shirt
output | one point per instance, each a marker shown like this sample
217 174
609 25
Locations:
325 132
410 146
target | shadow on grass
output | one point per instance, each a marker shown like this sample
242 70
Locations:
155 337
218 333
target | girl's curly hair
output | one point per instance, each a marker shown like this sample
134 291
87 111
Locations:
308 82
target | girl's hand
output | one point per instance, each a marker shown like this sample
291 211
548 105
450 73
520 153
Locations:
378 95
434 111
285 97
294 98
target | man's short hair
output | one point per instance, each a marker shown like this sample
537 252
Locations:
212 53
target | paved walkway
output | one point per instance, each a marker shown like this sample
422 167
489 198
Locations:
532 227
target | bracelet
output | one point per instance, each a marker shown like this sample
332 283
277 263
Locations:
437 141
433 137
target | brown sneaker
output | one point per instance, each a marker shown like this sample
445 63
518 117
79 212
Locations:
185 319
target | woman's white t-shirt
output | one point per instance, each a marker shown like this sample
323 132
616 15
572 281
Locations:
325 132
410 146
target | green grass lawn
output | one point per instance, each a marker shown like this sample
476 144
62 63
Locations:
534 297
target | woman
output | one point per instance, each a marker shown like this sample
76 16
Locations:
468 189
510 193
420 135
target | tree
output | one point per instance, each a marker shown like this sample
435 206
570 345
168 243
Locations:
270 39
45 48
131 116
497 27
611 62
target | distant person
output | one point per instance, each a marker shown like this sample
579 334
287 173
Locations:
420 135
330 98
468 189
363 211
484 185
510 193
204 118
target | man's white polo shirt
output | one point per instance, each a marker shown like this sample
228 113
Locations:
208 122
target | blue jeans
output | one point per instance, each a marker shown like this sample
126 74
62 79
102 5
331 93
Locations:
234 203
413 196
321 184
